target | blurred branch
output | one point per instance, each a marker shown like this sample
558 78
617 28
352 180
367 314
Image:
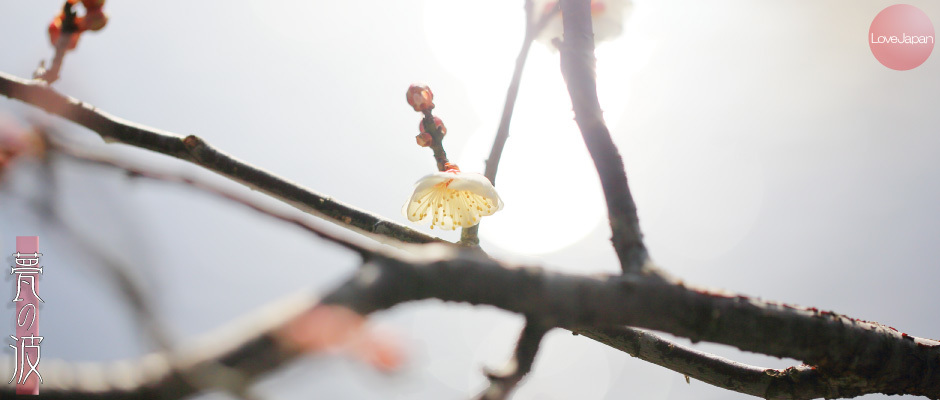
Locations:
577 67
195 150
240 355
205 376
82 156
502 384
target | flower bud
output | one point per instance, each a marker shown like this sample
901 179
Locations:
55 31
420 97
93 5
93 20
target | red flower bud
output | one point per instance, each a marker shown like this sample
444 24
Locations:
92 5
420 97
438 123
93 20
55 31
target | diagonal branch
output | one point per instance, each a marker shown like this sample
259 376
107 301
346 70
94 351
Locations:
577 67
195 150
533 28
801 382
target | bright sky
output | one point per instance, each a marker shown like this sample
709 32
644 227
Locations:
768 151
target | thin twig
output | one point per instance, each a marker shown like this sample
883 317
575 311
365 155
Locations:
533 28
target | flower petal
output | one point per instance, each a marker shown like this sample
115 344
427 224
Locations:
449 200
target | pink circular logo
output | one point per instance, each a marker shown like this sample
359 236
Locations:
901 37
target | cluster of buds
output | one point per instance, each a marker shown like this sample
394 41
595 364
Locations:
421 99
93 20
449 198
424 138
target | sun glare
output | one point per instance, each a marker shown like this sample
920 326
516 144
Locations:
546 178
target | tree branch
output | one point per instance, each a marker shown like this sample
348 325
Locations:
195 150
852 356
243 352
533 28
858 356
577 67
801 382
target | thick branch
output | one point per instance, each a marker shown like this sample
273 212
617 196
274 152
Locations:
195 150
864 356
577 67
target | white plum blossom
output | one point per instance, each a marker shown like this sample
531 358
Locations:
452 198
607 16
